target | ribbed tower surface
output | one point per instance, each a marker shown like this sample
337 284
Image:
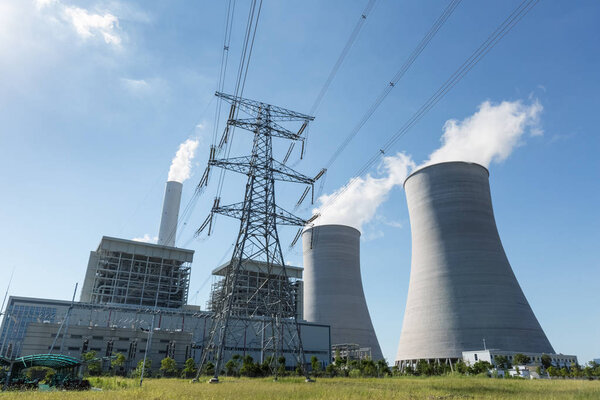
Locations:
333 290
462 288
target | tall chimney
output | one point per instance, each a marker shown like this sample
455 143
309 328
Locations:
462 288
170 214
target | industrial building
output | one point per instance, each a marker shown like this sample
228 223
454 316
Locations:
124 271
333 291
133 288
462 292
251 290
489 355
31 326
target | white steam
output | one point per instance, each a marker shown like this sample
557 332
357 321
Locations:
489 135
356 203
182 162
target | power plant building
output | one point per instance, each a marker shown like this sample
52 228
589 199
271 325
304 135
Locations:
333 291
129 272
463 294
251 291
31 326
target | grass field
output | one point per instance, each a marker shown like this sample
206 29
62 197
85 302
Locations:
432 388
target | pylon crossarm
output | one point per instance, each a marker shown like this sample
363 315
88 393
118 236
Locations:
253 107
275 130
243 165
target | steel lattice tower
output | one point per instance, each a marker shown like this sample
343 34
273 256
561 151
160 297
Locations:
273 317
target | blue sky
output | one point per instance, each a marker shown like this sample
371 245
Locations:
96 96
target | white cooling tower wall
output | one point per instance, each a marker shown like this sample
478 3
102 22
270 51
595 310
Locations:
333 291
462 288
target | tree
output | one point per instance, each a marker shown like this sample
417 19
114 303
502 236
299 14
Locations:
501 362
553 371
460 367
93 364
368 368
118 362
383 368
249 368
189 369
209 368
315 366
480 367
546 361
281 368
423 368
168 367
521 359
140 367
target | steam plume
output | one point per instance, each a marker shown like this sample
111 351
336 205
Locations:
182 162
489 135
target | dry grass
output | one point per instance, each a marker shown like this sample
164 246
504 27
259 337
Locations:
339 388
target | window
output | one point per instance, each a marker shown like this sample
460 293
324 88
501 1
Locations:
73 348
98 337
475 357
76 336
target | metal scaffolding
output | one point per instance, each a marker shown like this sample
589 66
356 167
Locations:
134 273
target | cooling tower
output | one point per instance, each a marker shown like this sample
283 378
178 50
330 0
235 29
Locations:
333 292
170 214
462 288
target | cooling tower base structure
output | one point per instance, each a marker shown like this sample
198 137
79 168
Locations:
463 294
333 291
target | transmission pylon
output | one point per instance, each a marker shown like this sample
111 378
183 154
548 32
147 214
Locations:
267 309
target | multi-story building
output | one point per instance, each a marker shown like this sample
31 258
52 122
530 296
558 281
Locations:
124 271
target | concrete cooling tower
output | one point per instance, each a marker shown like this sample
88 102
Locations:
333 292
462 288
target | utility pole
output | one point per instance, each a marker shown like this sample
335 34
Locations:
270 311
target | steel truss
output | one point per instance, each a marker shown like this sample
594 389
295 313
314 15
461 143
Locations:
269 308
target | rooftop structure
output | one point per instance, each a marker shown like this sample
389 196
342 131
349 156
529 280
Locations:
124 271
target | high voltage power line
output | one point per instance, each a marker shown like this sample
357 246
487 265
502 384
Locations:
506 26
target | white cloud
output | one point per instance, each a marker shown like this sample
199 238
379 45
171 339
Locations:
489 135
39 4
182 162
88 25
135 85
147 238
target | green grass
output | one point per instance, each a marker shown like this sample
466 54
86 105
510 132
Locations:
434 388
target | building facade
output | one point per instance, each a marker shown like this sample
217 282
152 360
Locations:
34 326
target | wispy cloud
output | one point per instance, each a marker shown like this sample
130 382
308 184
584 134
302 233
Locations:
146 238
87 24
489 135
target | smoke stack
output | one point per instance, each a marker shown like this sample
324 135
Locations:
170 214
462 288
333 291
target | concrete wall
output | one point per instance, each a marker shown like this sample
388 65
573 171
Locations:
462 288
333 291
